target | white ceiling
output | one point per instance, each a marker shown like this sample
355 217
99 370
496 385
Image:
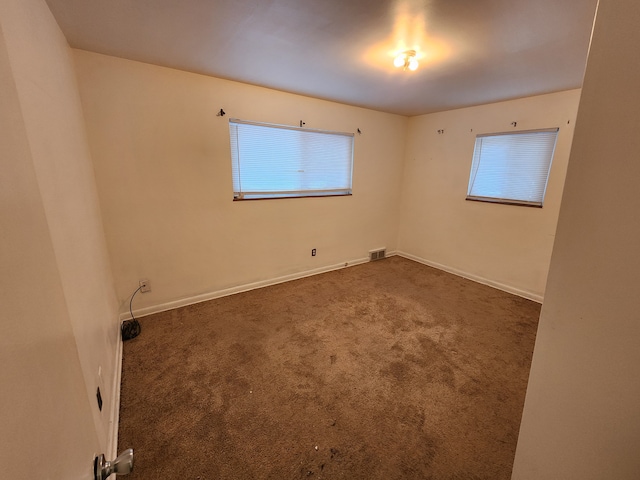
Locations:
471 51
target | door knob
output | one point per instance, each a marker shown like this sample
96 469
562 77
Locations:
120 466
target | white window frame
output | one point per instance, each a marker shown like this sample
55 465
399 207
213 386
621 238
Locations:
512 167
289 162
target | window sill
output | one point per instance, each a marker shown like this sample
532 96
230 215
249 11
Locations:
280 197
504 201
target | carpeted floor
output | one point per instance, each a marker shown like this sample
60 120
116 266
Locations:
387 370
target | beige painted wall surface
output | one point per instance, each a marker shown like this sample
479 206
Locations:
47 89
163 171
46 422
581 418
507 246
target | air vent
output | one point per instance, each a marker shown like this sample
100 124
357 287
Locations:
377 254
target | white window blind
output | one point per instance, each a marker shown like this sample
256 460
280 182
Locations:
275 161
512 167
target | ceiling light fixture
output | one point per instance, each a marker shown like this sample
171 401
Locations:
406 60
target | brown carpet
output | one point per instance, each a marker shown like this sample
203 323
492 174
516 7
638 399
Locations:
387 370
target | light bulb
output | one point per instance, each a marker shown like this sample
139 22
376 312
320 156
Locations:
413 64
399 60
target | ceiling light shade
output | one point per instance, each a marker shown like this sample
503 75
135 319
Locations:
406 60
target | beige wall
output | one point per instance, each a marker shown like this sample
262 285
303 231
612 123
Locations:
163 171
44 410
582 412
502 245
59 315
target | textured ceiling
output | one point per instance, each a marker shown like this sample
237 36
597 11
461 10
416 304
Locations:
470 51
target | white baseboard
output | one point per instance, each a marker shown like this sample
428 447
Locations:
114 414
141 312
470 276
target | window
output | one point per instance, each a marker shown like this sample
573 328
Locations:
512 168
277 161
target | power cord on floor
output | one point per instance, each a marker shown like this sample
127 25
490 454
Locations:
131 328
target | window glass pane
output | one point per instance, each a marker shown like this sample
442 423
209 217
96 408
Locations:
512 167
278 161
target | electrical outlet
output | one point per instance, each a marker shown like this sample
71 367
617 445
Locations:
313 252
145 286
